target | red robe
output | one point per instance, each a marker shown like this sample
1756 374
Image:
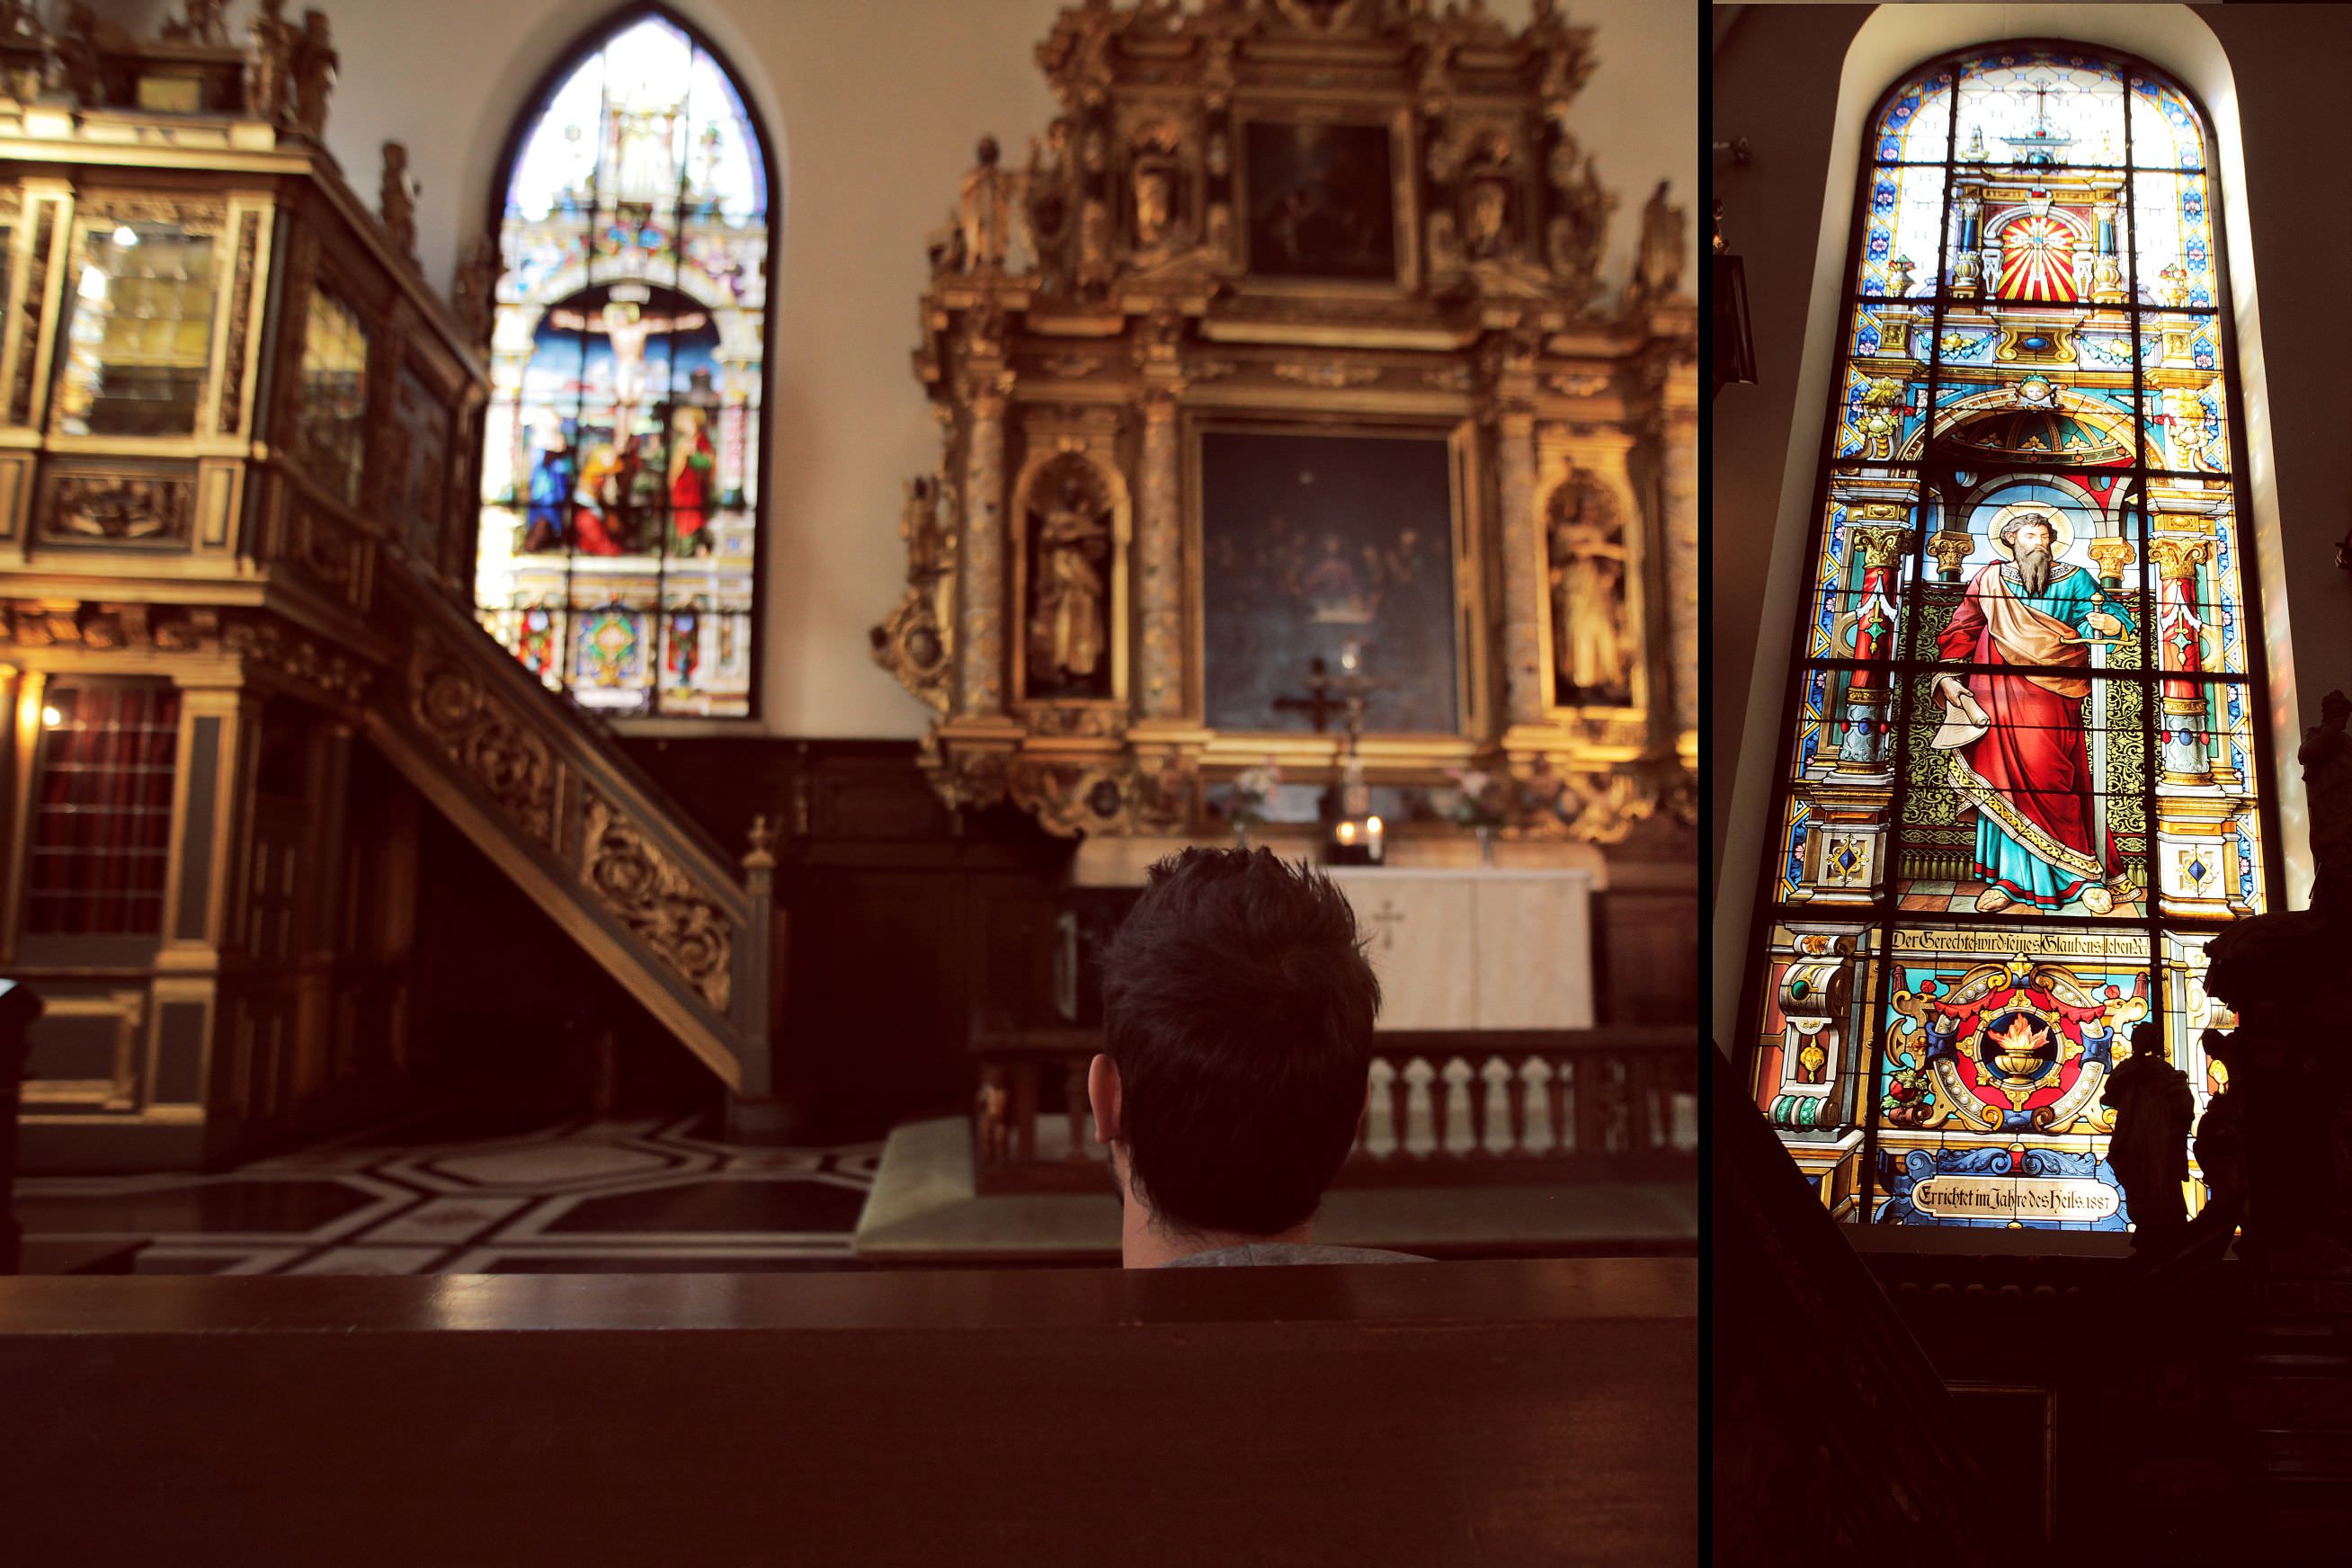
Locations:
689 492
2033 770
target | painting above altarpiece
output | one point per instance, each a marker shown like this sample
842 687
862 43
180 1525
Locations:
1286 414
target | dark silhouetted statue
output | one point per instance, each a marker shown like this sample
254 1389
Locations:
2149 1150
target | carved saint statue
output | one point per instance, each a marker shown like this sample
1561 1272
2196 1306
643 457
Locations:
72 63
270 64
1152 214
475 292
202 22
1094 244
1068 626
2327 758
1591 651
1658 270
987 202
396 200
315 61
1579 220
1487 231
918 525
1046 194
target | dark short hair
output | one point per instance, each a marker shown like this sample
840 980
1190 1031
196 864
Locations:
2147 1038
1238 1006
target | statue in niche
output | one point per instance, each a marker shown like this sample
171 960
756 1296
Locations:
269 63
315 61
1154 213
1067 632
985 207
396 200
1591 652
1486 233
1579 221
1658 269
1094 244
1486 214
2327 758
202 22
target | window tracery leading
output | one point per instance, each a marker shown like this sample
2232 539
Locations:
2024 770
619 546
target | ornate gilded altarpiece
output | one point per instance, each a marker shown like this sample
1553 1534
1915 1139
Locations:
1286 342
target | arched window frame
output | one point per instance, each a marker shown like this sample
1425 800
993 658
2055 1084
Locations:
536 106
1880 919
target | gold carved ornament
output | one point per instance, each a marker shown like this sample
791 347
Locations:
646 892
494 748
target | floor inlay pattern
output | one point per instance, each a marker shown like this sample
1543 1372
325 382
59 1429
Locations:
648 1195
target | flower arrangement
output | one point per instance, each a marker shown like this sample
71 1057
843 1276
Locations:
1253 787
1480 799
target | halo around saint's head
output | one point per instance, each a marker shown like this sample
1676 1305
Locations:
2061 534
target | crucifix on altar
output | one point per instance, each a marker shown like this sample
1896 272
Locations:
1357 835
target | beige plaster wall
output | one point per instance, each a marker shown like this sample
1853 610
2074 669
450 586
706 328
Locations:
874 106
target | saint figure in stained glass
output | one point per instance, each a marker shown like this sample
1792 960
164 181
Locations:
2024 777
2016 740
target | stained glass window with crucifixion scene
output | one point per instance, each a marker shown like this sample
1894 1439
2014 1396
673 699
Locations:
621 476
2023 770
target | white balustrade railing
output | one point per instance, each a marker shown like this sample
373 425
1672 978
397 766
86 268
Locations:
1431 1112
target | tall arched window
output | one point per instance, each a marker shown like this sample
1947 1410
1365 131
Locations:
2024 771
620 533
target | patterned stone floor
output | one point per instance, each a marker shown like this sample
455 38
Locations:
622 1197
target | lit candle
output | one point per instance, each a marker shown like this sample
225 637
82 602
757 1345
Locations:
1348 834
1372 835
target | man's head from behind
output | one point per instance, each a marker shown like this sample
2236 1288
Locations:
1237 1021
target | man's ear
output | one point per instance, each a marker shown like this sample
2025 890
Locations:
1103 1099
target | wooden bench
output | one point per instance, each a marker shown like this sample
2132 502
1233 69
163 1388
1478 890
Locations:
1470 1413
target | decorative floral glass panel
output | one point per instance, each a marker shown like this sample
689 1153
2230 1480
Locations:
2025 771
139 330
619 535
331 424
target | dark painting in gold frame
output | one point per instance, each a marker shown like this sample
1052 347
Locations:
1322 200
1313 544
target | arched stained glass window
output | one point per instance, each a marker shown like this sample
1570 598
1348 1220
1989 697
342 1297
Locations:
619 546
2025 772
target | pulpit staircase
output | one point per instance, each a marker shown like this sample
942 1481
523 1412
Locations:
543 792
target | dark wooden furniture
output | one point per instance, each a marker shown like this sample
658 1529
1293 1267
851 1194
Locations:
19 1006
1473 1413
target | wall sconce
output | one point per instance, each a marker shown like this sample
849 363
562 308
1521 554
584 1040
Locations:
1735 347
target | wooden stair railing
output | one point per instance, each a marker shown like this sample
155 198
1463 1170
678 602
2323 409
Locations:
551 800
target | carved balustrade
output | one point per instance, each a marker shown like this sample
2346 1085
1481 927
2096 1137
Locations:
1454 1110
